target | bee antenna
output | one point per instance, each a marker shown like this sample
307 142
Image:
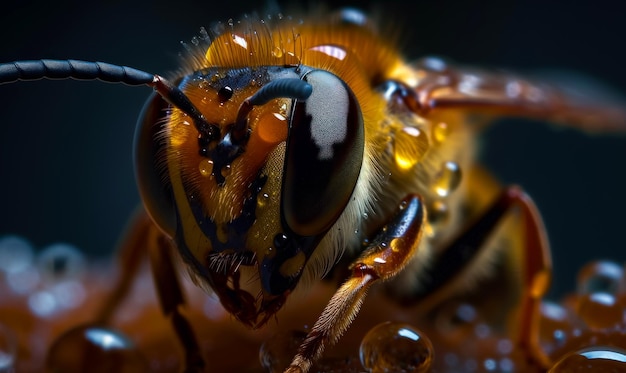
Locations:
292 88
87 70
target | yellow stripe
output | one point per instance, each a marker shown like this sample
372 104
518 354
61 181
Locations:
197 243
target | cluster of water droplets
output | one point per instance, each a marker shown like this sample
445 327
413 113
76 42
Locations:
48 281
51 278
588 327
409 144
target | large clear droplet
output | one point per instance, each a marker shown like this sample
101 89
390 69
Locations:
396 347
594 359
94 349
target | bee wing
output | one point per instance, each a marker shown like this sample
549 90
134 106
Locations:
557 97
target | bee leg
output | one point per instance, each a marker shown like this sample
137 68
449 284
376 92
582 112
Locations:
172 298
385 257
536 275
142 233
130 254
536 268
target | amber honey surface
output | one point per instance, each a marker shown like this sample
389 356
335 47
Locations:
47 299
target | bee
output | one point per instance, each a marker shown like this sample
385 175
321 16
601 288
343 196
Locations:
286 151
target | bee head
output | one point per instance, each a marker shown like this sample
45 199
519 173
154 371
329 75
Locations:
248 195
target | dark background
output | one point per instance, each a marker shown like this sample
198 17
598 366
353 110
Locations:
65 147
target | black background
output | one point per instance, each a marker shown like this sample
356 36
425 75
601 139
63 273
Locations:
65 147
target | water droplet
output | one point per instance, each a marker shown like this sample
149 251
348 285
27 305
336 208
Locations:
262 199
447 180
505 346
272 128
270 252
277 52
599 276
455 315
42 303
60 262
69 294
600 310
100 349
16 254
506 365
441 131
206 167
25 281
554 319
204 84
276 353
352 16
410 145
8 349
227 170
438 212
594 359
490 365
482 331
432 63
396 347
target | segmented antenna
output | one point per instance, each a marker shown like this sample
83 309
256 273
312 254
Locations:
87 70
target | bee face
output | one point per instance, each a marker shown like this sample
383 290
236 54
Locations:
257 187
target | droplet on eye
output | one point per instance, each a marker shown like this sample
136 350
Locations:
410 145
447 180
600 276
594 359
396 347
94 349
276 353
8 349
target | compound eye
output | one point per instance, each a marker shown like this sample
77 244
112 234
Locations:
155 193
324 154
